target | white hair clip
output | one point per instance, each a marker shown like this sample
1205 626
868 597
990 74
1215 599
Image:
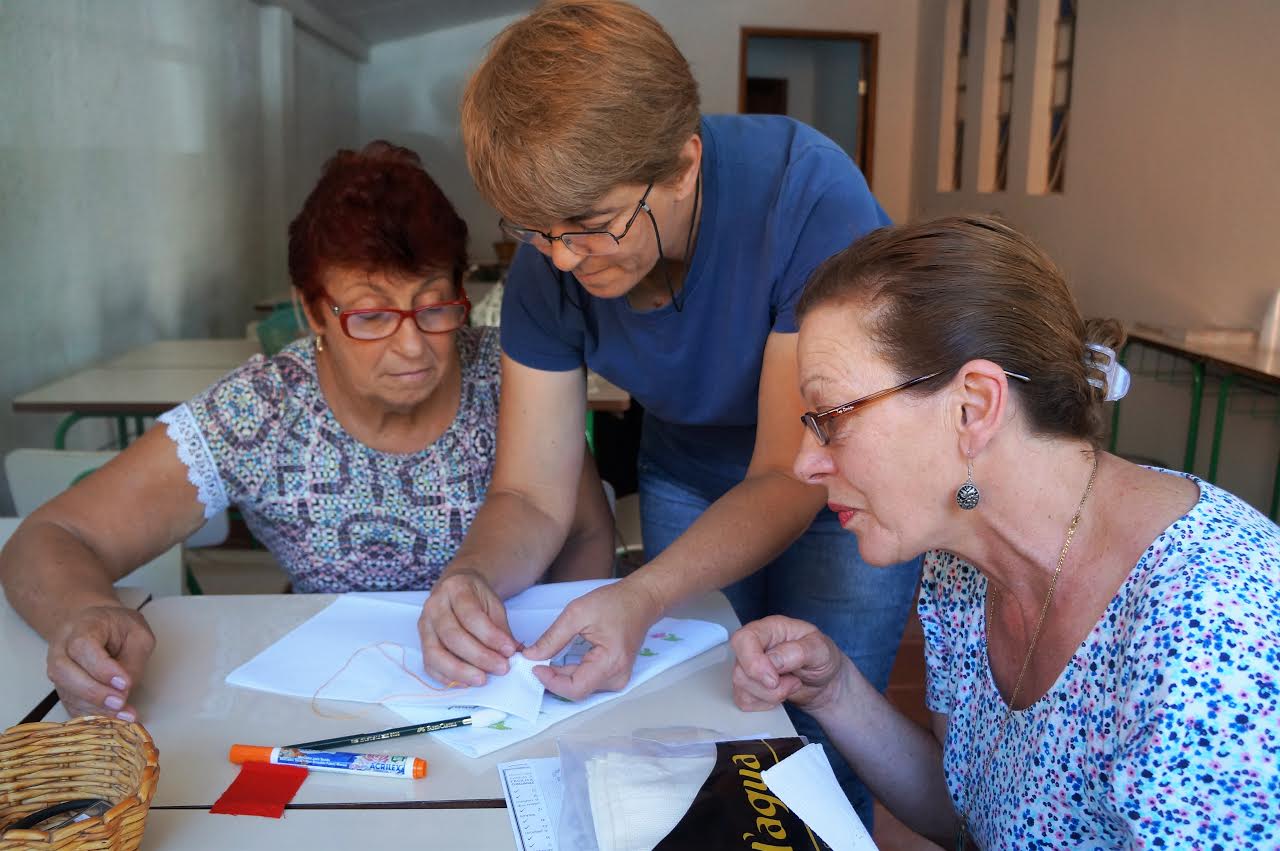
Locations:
1116 384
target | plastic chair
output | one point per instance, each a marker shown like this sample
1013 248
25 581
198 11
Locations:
282 327
628 546
38 475
161 577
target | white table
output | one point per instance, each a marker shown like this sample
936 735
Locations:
134 391
456 830
194 716
224 354
151 379
22 659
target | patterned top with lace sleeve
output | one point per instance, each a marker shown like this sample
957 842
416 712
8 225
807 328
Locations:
339 515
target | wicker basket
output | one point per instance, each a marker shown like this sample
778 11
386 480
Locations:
91 757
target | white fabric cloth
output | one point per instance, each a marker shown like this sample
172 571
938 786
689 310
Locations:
638 800
358 648
805 782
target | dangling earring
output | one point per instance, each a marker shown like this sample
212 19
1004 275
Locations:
967 496
319 343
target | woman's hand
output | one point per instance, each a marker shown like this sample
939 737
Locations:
97 657
464 630
614 619
781 659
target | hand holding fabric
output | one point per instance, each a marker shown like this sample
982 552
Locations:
464 631
613 619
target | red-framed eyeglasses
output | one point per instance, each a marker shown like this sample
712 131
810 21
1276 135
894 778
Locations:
377 323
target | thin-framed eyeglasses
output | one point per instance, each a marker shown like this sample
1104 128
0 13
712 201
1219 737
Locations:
377 323
817 421
584 243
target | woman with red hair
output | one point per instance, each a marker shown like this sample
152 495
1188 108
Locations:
359 455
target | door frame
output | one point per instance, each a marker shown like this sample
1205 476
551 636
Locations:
870 46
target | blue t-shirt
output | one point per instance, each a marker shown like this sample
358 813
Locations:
778 199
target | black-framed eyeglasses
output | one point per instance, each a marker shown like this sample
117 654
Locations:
584 243
817 421
377 323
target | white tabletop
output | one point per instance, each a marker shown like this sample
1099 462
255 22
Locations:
102 390
194 716
457 830
22 660
224 354
1255 361
151 379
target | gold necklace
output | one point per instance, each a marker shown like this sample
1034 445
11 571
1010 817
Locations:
1035 636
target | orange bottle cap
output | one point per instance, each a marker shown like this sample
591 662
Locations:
241 754
419 768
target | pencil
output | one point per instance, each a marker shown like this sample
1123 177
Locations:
480 718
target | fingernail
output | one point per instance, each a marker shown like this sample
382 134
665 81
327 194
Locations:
771 681
118 682
126 716
113 702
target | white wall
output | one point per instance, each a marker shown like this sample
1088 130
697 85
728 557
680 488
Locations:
410 89
131 173
410 94
325 92
1172 201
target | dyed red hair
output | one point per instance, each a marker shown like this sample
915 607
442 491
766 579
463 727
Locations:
376 209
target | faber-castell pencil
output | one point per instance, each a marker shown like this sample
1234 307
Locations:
479 718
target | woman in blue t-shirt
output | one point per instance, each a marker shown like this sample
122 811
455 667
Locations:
665 250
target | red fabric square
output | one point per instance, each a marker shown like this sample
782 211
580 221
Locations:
262 789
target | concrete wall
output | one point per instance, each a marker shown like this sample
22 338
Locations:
409 91
132 174
1170 209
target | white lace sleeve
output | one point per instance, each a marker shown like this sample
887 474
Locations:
182 429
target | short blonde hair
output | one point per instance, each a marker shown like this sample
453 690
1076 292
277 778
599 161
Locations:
575 99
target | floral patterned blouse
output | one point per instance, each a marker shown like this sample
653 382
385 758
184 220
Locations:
338 515
1161 732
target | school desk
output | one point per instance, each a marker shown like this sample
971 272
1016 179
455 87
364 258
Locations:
224 354
194 716
1237 368
456 830
151 379
22 660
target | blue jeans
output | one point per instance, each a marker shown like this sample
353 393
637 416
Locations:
820 579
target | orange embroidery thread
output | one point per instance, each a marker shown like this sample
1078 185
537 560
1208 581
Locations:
380 647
